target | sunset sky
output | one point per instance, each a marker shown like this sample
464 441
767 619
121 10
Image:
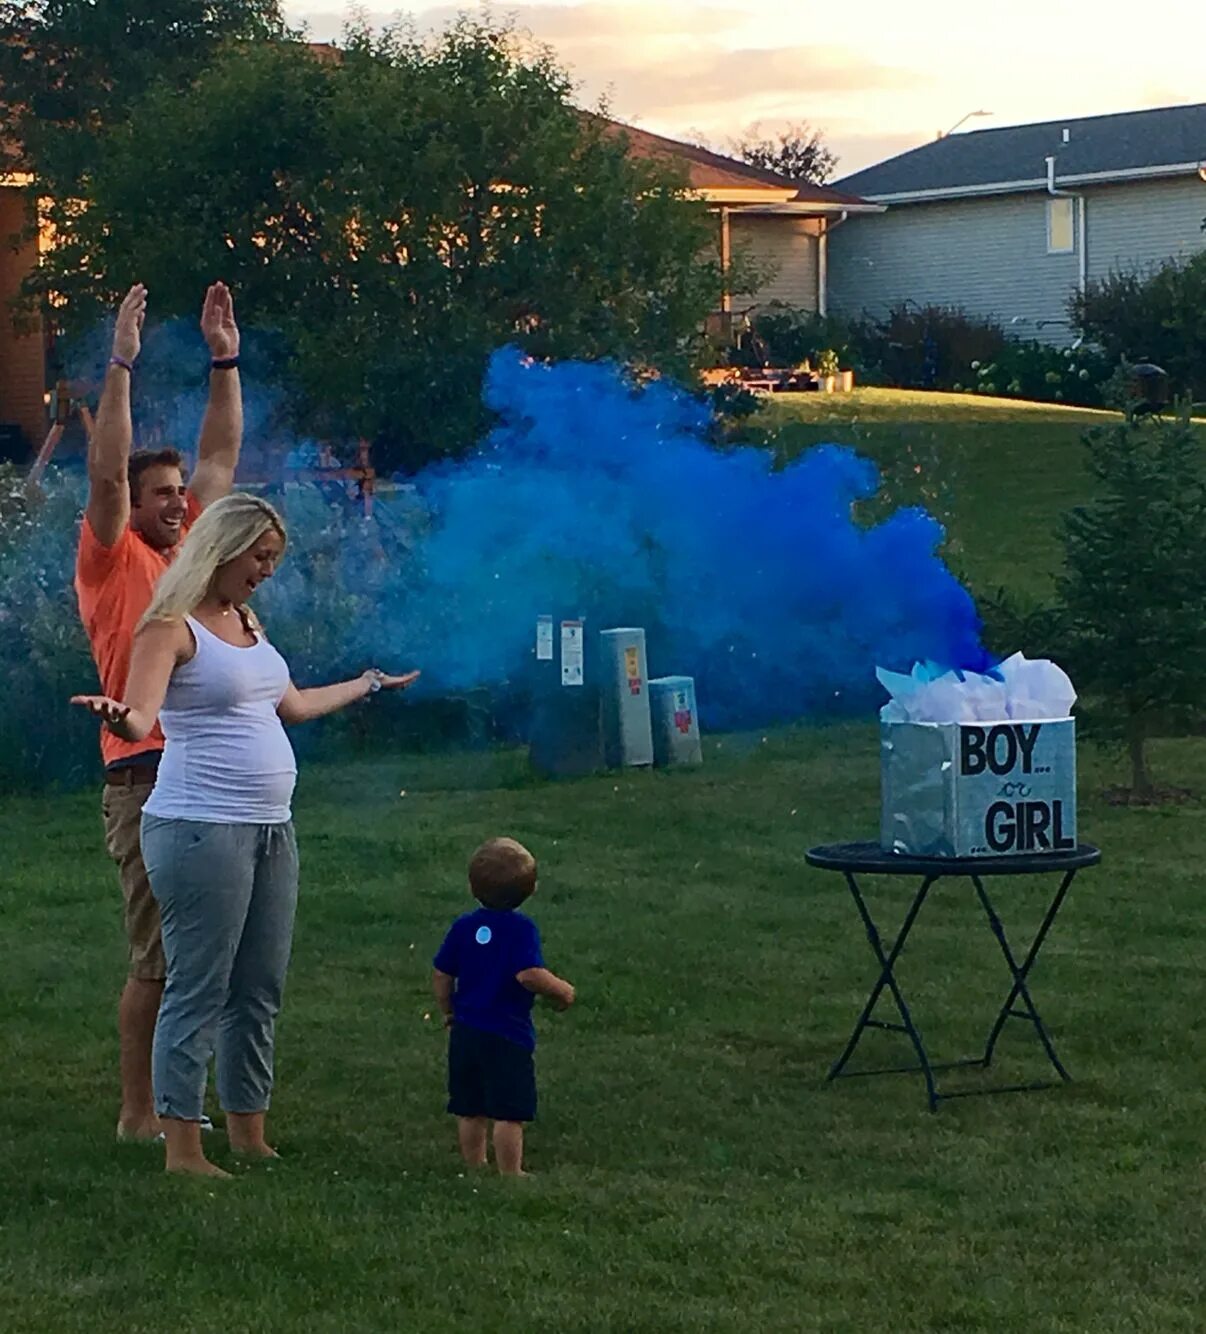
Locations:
877 76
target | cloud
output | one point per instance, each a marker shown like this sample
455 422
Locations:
804 75
587 24
859 150
682 64
582 25
688 70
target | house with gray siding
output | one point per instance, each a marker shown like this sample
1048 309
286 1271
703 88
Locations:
1008 223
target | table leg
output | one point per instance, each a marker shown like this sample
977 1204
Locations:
887 979
1020 973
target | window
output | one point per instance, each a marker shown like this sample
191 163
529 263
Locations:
1061 228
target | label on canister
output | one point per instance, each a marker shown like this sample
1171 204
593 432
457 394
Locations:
632 670
544 639
571 653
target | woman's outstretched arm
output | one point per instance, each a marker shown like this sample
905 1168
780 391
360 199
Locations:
158 647
300 706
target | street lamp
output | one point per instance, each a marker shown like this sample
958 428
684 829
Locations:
961 120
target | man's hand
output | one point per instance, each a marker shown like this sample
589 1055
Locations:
112 436
222 425
127 336
563 998
218 322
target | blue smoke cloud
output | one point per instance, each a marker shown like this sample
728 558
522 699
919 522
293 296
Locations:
598 498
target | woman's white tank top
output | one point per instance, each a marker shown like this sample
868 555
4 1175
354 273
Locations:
227 759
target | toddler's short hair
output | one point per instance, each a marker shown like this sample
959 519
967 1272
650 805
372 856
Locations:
502 874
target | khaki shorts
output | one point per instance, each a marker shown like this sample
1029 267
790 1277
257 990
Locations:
122 807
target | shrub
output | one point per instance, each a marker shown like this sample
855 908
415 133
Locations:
731 404
927 347
932 347
1158 315
793 337
44 657
1039 371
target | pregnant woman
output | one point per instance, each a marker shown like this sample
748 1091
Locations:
217 831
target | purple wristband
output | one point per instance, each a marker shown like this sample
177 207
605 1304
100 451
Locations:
224 363
115 360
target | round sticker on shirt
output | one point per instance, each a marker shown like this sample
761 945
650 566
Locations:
484 935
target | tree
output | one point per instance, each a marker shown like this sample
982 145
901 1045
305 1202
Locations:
1156 315
799 153
1133 591
393 217
70 69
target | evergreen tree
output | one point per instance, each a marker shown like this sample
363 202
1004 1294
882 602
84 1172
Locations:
1134 585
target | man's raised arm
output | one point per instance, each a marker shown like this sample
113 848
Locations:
109 448
222 427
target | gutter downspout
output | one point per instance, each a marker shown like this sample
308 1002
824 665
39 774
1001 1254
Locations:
823 261
1082 276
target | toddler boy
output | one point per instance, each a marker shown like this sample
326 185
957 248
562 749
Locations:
487 973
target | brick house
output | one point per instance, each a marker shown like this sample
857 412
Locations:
22 351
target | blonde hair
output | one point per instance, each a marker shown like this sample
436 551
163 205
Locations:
227 529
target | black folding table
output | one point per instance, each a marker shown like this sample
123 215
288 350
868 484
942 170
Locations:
854 859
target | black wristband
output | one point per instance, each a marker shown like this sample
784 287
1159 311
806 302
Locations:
224 363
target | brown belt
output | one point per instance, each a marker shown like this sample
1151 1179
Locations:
132 775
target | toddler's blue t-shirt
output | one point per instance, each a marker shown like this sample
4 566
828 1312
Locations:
484 950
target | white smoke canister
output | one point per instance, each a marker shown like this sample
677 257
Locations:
675 721
624 684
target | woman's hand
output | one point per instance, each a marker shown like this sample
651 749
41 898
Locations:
375 680
299 706
110 711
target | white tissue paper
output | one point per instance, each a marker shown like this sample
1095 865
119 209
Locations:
1020 688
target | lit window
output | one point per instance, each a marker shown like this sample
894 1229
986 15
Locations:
1061 229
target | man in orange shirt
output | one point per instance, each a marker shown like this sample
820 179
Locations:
138 510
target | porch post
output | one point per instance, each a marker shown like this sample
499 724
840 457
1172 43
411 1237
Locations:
726 258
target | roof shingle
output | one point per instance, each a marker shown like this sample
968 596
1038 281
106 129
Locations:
1129 141
707 170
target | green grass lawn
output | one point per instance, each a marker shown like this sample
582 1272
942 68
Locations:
998 472
694 1170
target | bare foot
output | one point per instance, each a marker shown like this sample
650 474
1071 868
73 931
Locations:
147 1131
254 1151
245 1131
197 1167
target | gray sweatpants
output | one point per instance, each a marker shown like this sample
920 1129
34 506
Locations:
227 896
